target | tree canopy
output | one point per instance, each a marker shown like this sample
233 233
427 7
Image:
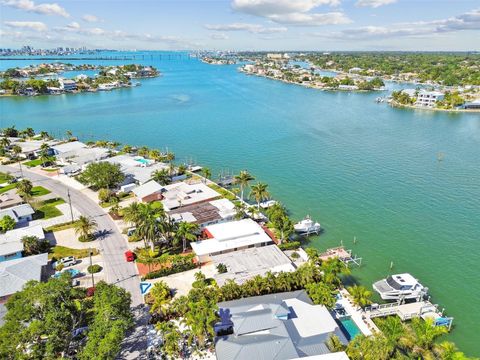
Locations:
102 175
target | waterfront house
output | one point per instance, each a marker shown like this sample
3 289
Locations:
20 213
30 148
230 236
10 198
67 147
82 156
245 264
278 327
428 98
11 245
67 84
148 192
181 194
475 104
137 169
14 274
204 213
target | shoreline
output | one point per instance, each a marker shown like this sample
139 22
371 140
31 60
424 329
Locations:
395 104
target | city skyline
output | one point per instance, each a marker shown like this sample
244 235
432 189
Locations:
243 24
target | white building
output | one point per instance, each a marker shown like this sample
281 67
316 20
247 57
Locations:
230 236
429 98
182 193
20 213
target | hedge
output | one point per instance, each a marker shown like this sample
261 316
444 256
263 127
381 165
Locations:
169 270
291 245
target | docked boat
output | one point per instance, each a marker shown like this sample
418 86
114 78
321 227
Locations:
400 287
307 226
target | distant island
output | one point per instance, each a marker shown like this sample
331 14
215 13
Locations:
44 79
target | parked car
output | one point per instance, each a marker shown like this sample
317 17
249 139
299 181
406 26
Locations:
129 256
66 262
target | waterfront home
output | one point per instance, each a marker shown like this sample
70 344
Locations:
181 194
67 84
11 245
475 104
428 98
14 274
245 264
278 326
10 198
148 192
52 90
230 236
137 169
82 156
20 213
204 213
66 147
30 148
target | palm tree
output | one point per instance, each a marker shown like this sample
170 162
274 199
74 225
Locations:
127 148
260 193
360 295
162 177
187 231
69 134
154 154
17 150
242 180
44 135
24 188
159 298
207 174
5 142
44 153
426 332
84 227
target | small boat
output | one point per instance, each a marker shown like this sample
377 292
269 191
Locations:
399 287
307 226
267 204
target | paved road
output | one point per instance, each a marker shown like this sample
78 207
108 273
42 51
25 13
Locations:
112 246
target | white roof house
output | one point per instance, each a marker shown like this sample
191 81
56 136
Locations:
136 167
180 194
14 274
11 241
18 213
147 189
83 156
204 213
230 236
68 146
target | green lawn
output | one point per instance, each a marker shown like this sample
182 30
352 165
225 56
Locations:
39 191
8 187
37 162
60 227
59 252
47 210
3 178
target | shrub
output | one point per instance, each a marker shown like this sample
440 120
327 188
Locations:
169 271
93 269
291 245
294 255
59 267
104 195
83 238
222 268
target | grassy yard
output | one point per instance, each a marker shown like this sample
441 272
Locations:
40 191
8 187
224 192
37 162
3 178
59 252
47 209
60 227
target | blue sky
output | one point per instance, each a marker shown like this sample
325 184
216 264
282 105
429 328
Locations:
243 24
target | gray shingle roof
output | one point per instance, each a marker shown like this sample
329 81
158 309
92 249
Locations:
15 273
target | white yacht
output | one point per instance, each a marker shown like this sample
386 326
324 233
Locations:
307 226
400 286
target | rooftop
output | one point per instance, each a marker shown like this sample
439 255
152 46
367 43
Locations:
277 326
84 155
11 241
230 235
146 189
15 273
17 211
205 212
68 146
182 193
10 198
247 263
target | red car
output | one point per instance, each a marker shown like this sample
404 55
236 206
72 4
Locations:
129 256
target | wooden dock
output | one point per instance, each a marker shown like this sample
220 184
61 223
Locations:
341 253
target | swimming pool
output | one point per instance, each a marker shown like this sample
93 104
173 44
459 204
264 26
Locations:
349 328
143 161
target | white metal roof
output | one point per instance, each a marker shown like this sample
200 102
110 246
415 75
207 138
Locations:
146 189
68 146
231 235
15 273
186 194
11 241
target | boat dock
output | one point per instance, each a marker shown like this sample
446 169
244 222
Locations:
408 311
341 253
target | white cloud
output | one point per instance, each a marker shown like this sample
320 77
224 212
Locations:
374 3
30 6
90 18
467 21
251 28
220 36
289 12
28 25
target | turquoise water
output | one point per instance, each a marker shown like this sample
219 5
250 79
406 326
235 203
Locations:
361 169
349 328
142 161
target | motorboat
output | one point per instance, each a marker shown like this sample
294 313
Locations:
400 287
307 226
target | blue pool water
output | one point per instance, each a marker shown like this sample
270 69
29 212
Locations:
349 328
142 161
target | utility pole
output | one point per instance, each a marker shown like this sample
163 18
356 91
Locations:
70 203
90 253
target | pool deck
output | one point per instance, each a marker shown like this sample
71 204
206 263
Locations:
365 324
